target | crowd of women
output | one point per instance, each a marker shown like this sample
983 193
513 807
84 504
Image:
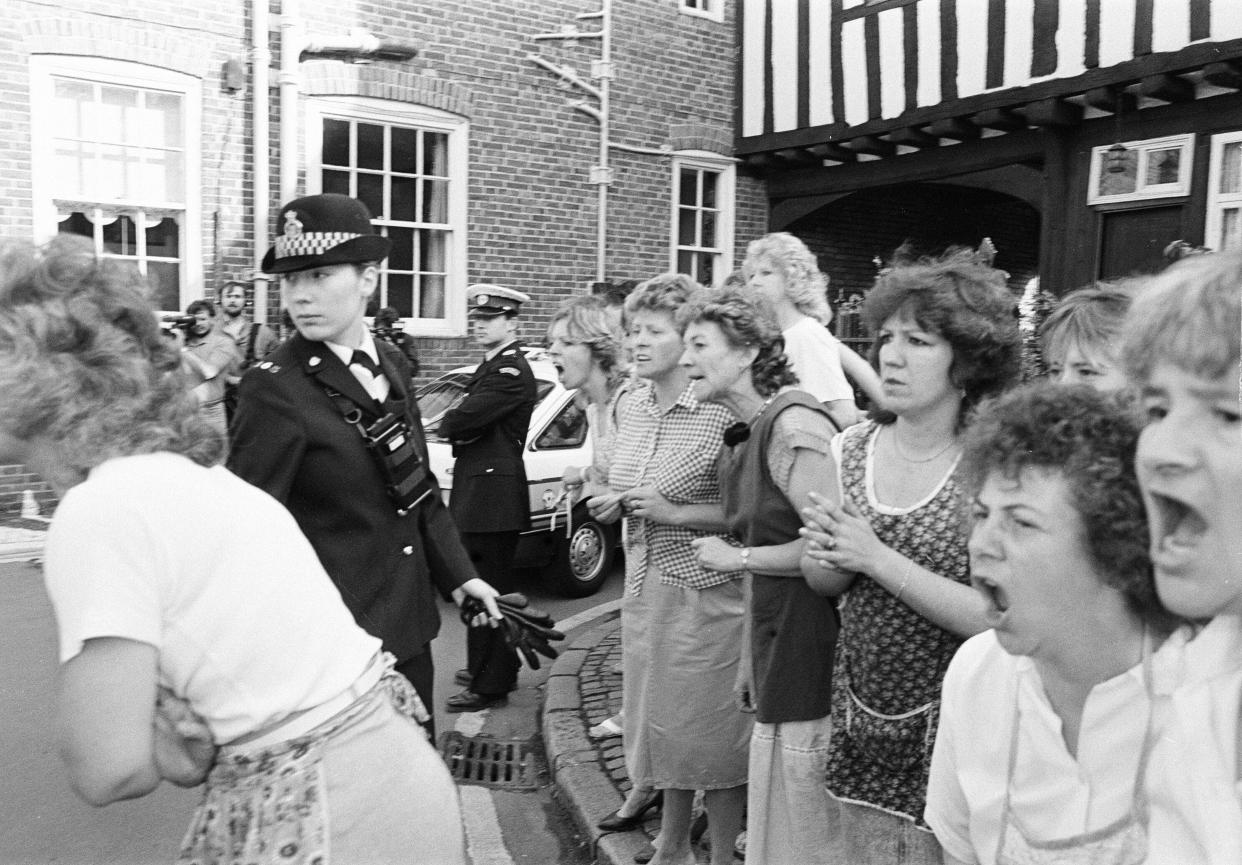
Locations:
992 622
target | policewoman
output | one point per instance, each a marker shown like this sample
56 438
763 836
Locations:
490 502
328 426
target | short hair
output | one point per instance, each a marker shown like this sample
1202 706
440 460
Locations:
1090 317
1089 438
201 305
592 321
1187 315
232 284
745 320
968 304
386 316
83 364
664 293
806 286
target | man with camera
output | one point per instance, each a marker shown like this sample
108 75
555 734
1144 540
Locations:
328 425
254 339
207 358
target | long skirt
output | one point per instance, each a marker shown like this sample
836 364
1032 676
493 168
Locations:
787 806
362 788
680 651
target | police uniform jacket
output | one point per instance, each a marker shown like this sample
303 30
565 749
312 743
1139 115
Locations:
291 440
488 430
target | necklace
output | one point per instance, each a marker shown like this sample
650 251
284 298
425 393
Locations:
900 453
739 432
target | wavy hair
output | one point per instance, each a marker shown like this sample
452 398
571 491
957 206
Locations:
667 292
1089 438
806 286
84 367
1189 315
965 302
745 320
591 321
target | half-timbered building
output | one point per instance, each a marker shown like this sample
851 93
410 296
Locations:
1082 136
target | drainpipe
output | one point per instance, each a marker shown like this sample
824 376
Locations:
605 172
291 42
260 146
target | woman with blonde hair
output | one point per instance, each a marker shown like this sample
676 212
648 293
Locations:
781 269
239 667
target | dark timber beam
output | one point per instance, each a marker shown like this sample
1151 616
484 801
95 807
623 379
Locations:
999 118
873 145
1170 88
1226 73
1052 112
835 152
957 128
1111 99
912 136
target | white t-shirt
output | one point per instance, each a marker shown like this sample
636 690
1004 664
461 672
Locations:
1054 795
1196 804
815 355
216 575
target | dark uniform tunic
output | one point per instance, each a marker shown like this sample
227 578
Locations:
291 440
490 502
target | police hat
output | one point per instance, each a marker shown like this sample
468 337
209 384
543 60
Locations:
487 300
324 229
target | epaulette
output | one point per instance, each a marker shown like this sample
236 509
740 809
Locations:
508 351
269 366
510 370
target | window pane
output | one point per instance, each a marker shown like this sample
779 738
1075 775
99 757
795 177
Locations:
1231 229
161 177
709 188
71 170
335 142
336 181
1162 166
371 193
162 121
688 186
707 272
164 238
107 181
685 262
686 227
1118 182
435 201
404 192
76 223
709 229
435 154
118 235
70 97
431 297
370 146
432 246
164 277
404 154
400 294
402 255
115 115
1231 168
567 429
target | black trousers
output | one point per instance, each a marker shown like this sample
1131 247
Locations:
421 672
493 666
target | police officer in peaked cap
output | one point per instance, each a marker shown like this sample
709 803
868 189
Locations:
489 501
305 429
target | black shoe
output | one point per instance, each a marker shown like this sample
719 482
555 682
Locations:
614 822
469 701
463 677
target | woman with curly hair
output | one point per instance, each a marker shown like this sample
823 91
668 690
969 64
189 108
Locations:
239 667
887 538
777 448
1064 678
779 268
681 622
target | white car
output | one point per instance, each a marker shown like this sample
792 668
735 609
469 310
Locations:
575 551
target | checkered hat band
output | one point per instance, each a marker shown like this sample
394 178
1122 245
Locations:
311 243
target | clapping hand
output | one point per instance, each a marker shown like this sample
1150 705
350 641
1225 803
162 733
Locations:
840 537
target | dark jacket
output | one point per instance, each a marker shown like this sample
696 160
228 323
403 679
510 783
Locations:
488 431
289 439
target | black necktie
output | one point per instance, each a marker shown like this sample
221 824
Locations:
362 359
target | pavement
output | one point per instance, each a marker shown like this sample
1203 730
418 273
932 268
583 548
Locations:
582 688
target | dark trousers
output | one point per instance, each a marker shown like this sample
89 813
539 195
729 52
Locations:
493 666
421 672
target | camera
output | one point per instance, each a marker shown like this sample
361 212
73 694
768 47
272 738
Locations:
185 322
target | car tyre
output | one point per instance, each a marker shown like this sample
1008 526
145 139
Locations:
582 561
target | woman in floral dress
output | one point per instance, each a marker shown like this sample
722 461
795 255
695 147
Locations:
889 539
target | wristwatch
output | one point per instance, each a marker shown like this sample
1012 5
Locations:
745 554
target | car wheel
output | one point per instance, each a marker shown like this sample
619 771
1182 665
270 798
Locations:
582 560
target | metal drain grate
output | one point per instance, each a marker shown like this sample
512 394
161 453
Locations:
508 763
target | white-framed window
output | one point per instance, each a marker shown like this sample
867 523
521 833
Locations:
713 9
1154 168
702 219
1224 198
115 158
407 163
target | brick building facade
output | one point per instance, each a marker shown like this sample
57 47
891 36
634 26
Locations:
137 124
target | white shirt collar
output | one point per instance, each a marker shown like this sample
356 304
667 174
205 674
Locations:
346 354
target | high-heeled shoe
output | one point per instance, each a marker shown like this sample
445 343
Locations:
614 822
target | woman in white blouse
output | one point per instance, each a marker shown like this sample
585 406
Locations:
1047 719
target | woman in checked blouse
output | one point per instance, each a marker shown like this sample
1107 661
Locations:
682 624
